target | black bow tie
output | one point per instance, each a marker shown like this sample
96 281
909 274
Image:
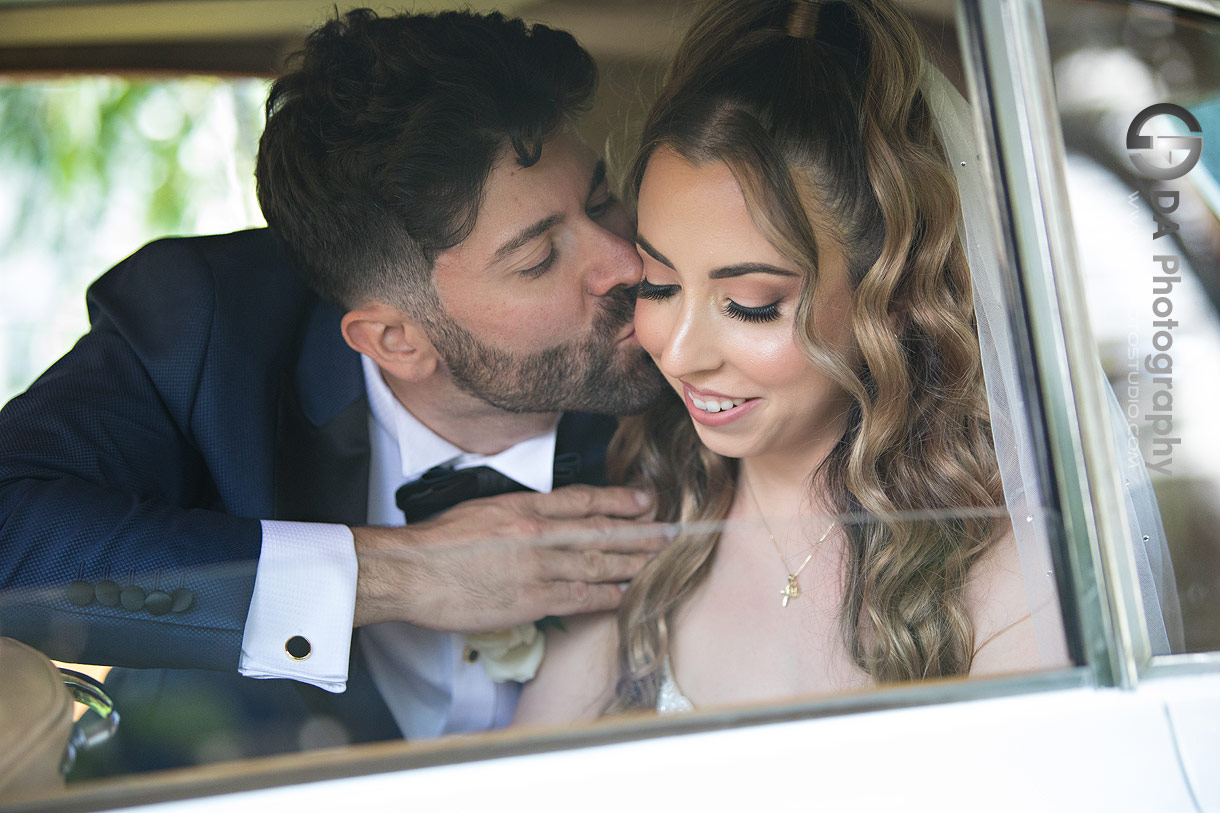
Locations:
440 488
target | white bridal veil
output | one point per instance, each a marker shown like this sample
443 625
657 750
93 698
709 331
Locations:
1010 419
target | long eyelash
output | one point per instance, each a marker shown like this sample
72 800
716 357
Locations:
765 313
541 268
646 290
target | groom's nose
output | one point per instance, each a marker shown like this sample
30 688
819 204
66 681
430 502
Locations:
613 262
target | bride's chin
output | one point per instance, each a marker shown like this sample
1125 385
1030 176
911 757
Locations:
718 444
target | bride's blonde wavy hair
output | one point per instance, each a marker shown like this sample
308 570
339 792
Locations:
817 111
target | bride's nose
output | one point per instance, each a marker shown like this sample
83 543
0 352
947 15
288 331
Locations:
691 345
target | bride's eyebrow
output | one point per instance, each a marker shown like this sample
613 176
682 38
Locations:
652 252
724 272
741 269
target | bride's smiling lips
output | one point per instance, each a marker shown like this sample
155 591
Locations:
713 408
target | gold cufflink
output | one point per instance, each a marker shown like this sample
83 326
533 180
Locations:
298 648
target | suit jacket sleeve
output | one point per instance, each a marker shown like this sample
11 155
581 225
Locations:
138 461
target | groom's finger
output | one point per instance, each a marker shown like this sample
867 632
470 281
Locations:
594 566
571 502
605 534
576 598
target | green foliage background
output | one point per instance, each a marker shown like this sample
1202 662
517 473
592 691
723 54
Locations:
91 168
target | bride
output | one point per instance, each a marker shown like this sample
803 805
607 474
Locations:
808 297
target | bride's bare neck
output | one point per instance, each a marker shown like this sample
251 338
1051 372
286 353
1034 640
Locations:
782 486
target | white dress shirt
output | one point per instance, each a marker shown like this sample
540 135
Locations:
422 675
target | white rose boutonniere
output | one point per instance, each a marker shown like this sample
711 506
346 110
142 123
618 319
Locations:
511 654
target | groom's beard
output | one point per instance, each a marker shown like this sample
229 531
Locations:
586 375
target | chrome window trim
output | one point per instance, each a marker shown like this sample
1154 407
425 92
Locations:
1187 663
396 756
1210 8
1008 65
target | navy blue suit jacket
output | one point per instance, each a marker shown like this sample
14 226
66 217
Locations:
212 390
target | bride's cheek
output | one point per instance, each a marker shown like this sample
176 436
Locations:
650 327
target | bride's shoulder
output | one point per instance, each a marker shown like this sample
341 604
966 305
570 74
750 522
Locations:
998 599
578 672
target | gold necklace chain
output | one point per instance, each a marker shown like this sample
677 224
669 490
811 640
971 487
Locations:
793 588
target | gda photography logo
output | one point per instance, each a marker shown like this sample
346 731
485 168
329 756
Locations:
1137 142
1164 201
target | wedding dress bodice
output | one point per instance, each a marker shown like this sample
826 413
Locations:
670 699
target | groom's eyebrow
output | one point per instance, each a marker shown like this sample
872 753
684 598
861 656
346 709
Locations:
525 236
547 223
599 175
724 272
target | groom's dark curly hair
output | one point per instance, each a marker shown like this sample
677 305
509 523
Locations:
378 144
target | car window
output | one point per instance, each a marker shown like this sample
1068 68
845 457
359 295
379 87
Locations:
176 157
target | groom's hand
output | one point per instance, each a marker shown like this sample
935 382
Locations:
495 562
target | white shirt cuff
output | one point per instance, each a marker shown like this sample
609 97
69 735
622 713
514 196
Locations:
300 621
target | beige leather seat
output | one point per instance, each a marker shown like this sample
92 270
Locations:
38 741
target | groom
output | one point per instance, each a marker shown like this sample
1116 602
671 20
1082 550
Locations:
210 479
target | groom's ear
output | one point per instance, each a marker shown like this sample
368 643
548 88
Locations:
391 338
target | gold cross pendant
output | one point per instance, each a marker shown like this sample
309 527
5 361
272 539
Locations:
791 591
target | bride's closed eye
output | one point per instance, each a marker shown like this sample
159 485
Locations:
646 290
763 313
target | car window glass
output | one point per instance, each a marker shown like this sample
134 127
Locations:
177 158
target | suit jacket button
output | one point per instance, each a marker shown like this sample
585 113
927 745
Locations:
158 602
80 593
132 598
107 593
183 600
